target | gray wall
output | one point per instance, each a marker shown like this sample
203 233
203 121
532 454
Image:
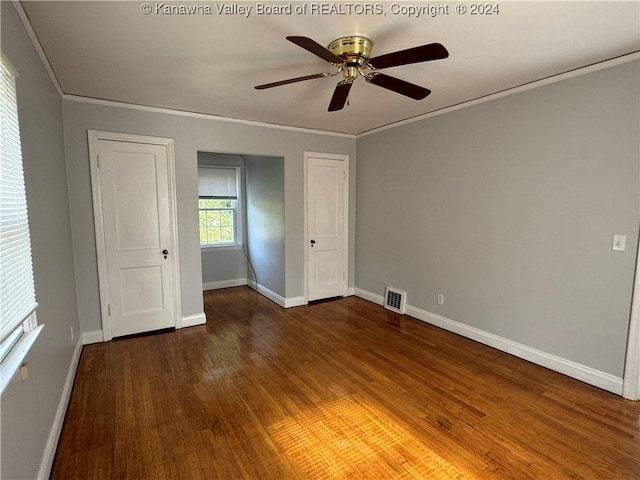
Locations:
265 220
191 135
29 407
508 209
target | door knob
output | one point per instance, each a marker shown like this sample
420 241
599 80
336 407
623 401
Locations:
313 242
165 252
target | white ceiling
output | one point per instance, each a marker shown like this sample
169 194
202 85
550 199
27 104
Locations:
210 63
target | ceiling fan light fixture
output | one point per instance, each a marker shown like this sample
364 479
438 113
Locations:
350 73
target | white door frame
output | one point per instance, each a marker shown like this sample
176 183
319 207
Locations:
94 136
631 381
341 158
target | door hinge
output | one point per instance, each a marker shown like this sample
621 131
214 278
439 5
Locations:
109 309
98 159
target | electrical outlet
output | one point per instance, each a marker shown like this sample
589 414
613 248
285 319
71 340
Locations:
24 371
440 299
619 242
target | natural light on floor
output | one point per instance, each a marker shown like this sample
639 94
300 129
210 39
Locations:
349 439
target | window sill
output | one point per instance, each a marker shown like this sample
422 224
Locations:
226 246
14 359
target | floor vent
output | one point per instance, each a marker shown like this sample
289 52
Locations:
394 300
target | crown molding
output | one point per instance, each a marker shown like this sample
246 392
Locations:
203 116
631 57
36 43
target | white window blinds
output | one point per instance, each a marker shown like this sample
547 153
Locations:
17 295
217 182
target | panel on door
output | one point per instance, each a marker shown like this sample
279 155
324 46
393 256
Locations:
326 205
137 232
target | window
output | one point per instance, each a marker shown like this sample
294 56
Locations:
218 205
17 293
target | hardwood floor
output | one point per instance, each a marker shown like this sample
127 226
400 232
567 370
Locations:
338 389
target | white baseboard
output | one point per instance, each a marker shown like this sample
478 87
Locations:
351 291
585 374
58 421
193 320
238 282
371 297
294 302
94 336
274 297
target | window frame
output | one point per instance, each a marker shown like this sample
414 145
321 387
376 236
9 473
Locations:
234 215
22 331
237 210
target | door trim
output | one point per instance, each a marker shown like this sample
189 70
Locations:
341 158
631 379
94 136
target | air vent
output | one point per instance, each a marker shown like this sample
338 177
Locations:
394 300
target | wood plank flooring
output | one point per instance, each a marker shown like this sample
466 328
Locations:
341 389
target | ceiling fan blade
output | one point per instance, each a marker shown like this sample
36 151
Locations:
424 53
292 80
315 48
399 86
340 95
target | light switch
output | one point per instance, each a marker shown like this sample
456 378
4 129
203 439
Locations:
619 243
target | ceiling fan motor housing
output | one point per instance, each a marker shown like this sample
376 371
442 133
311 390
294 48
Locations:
355 51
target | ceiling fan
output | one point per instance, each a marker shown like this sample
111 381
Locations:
351 55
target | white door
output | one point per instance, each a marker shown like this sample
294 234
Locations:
137 238
326 226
